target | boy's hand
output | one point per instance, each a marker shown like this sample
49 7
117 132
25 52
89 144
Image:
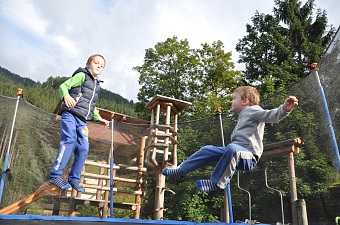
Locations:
104 122
69 101
290 103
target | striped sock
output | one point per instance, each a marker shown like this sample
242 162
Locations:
207 185
77 187
177 172
60 183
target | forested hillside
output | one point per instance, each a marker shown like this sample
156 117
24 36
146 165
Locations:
46 95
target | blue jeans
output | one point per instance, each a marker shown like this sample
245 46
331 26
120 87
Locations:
74 139
230 158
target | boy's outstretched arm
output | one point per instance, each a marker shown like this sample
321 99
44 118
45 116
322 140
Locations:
290 103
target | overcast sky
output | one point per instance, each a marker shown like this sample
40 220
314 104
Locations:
43 38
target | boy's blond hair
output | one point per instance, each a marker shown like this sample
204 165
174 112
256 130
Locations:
94 55
250 93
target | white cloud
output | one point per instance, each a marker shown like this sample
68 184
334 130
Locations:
42 38
24 16
68 45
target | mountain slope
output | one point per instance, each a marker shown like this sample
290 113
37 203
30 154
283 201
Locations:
46 95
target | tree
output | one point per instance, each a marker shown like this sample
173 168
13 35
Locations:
204 76
279 48
166 71
216 79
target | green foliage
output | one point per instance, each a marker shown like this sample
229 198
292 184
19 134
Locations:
205 76
9 76
88 211
116 103
279 48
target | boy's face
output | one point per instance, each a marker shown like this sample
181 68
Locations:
96 65
237 104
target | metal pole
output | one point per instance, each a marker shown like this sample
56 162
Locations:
219 111
266 179
328 118
337 220
5 169
293 188
227 191
242 189
111 169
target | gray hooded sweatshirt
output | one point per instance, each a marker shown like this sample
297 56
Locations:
249 129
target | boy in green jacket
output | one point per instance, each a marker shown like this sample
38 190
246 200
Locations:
79 94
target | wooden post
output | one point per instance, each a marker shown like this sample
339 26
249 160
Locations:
159 195
226 217
175 146
300 206
56 207
72 208
138 199
167 132
293 190
106 206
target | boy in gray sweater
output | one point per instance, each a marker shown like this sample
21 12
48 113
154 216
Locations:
245 148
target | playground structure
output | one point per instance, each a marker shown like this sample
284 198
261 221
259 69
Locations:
161 138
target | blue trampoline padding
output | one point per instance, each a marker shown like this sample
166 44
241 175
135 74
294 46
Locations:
109 221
